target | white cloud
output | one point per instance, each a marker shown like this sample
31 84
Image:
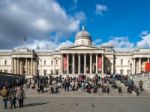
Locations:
97 41
143 33
100 9
46 45
119 42
36 19
65 44
145 42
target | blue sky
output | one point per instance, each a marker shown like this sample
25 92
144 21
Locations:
51 24
123 17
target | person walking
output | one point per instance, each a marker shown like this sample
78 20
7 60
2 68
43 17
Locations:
20 96
4 93
141 85
12 97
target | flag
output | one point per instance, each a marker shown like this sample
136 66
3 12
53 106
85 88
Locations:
99 63
65 62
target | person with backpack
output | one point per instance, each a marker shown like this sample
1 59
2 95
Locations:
4 93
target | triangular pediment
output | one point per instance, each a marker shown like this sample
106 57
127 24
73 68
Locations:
81 47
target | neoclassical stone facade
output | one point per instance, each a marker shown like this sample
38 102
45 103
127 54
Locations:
80 58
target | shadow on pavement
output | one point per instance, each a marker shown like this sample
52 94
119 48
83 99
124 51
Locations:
35 104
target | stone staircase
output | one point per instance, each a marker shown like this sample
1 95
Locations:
124 89
113 92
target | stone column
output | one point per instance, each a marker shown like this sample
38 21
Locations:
20 71
96 64
67 63
112 66
140 65
79 62
73 64
85 64
26 66
34 68
62 64
15 66
90 63
134 66
12 65
31 66
102 63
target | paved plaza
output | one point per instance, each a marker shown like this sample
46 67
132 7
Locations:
83 104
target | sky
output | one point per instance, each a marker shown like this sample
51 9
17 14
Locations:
52 24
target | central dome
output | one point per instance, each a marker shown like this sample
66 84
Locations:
83 38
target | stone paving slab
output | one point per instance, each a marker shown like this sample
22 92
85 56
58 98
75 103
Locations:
84 104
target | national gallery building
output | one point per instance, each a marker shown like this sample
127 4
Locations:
80 58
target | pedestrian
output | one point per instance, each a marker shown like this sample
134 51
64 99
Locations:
12 97
4 93
20 96
120 90
108 89
141 85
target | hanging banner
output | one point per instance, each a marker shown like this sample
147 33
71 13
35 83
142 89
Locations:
65 62
99 63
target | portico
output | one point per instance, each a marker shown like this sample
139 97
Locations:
84 63
24 62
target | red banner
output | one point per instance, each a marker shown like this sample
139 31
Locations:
147 67
65 62
99 63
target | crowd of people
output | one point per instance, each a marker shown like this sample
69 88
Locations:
13 95
86 84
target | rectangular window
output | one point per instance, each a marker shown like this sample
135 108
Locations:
128 72
56 62
5 62
121 62
44 72
121 72
51 63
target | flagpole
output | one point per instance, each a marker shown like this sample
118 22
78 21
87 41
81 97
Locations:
25 43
